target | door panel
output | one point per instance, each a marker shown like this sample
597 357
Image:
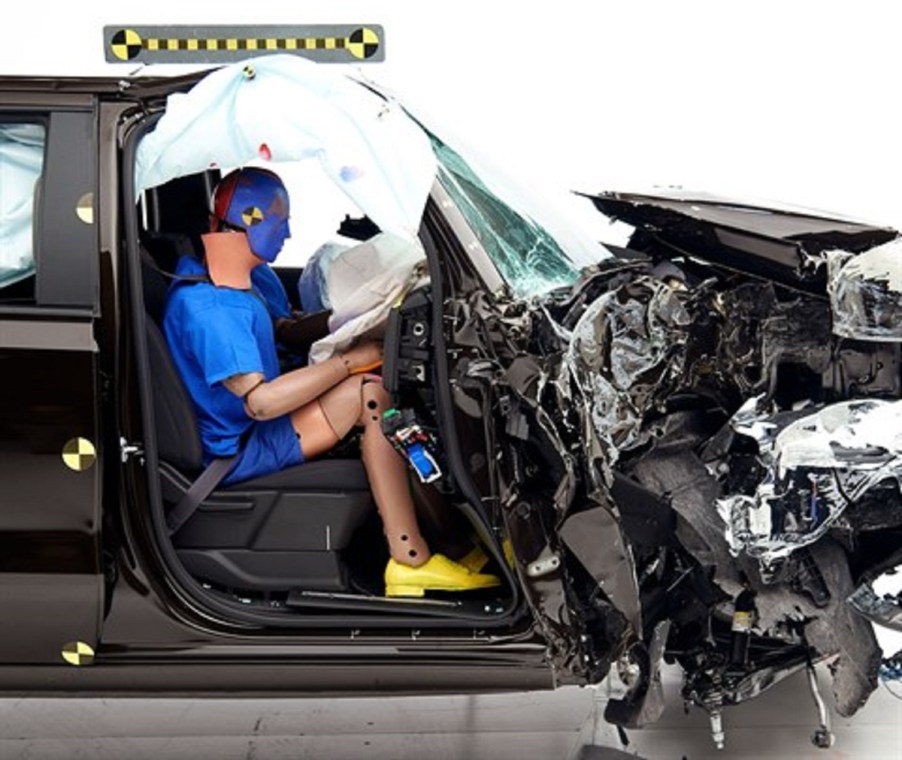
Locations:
49 516
51 450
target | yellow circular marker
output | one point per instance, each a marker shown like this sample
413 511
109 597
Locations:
79 454
78 653
251 216
126 44
84 209
363 43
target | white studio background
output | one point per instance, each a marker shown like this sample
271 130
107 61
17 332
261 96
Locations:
782 101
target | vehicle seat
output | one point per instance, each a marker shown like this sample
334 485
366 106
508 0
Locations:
279 532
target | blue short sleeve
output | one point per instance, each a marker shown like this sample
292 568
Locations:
223 340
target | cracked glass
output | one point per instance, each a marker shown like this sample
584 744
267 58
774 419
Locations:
530 258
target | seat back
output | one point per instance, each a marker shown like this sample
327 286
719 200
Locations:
178 437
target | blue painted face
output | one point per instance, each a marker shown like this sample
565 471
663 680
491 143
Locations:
258 203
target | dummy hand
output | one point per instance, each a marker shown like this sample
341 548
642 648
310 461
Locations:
265 400
299 333
363 357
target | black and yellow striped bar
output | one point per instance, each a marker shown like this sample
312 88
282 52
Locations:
326 43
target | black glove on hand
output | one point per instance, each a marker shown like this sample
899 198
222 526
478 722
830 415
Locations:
300 332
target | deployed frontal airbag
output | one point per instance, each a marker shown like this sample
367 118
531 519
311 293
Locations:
361 284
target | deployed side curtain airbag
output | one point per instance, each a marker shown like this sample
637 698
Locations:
21 160
283 108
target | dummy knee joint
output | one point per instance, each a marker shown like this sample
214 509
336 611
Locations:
375 401
342 406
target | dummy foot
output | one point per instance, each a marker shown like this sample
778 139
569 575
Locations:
437 574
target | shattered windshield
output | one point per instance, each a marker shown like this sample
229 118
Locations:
518 239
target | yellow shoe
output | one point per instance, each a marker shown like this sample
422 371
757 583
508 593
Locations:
438 573
475 559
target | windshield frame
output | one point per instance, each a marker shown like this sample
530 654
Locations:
491 277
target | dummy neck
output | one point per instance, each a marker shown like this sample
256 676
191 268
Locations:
229 259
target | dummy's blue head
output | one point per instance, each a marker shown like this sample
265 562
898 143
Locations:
255 200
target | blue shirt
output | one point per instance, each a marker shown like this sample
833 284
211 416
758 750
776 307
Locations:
214 333
267 283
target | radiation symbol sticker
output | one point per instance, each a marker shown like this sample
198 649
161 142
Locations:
79 454
78 653
126 44
251 216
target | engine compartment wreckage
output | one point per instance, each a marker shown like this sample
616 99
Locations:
722 401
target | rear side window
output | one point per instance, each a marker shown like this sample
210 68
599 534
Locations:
21 166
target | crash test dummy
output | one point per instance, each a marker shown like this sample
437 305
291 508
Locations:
222 340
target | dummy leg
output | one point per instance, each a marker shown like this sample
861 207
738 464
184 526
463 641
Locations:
326 420
323 423
387 473
412 569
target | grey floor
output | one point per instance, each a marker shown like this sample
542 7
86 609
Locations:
519 726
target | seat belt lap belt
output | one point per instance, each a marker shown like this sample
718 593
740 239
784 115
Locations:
200 489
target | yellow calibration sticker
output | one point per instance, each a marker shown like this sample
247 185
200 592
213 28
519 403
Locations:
84 208
78 653
251 216
79 454
327 43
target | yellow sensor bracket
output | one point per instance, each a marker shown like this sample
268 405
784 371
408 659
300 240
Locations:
326 43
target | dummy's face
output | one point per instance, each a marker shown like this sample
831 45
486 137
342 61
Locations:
280 235
268 235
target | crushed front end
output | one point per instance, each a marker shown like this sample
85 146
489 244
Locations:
697 455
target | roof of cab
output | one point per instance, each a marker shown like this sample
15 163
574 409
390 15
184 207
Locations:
105 85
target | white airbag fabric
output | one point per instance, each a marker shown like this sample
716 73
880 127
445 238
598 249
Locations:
284 108
362 283
21 159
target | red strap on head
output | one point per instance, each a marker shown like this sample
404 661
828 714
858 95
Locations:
222 196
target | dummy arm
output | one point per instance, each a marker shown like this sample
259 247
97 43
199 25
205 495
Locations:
266 400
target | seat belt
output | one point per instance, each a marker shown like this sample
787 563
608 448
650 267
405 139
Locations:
199 490
217 470
151 262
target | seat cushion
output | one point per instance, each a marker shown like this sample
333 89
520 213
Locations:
318 475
